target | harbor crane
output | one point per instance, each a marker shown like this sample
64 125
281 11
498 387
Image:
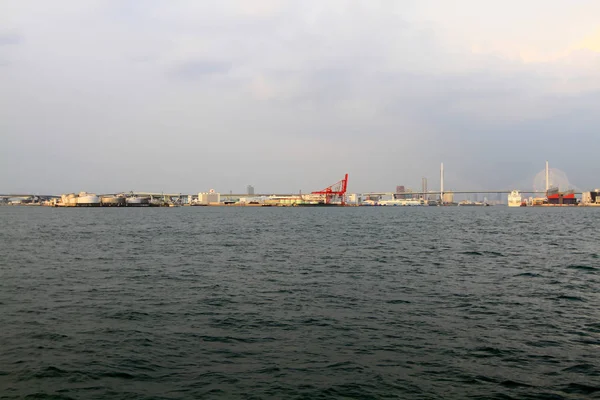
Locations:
336 192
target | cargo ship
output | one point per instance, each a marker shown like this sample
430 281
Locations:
515 199
556 197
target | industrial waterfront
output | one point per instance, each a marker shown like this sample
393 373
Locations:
333 195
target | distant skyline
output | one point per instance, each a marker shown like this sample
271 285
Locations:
184 96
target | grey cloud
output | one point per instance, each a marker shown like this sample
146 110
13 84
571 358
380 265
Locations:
10 39
313 82
200 68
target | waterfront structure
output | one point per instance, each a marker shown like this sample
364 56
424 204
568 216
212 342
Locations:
591 198
112 201
448 198
68 200
354 199
88 200
210 197
250 190
137 201
400 189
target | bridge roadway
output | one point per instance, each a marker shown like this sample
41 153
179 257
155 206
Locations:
17 196
225 195
453 192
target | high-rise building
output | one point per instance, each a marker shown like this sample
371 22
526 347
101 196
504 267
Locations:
424 189
250 190
400 189
448 197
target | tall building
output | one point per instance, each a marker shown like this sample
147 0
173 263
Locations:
400 189
250 190
424 188
448 197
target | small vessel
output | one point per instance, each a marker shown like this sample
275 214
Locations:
514 199
469 203
157 203
402 202
88 200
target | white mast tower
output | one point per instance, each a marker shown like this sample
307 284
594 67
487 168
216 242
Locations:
442 184
547 177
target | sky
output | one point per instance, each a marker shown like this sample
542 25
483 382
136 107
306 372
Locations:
184 96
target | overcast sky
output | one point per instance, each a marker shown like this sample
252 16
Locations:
184 96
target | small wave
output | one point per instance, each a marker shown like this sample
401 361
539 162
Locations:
49 336
530 274
582 267
580 388
594 327
513 384
345 366
543 343
316 322
129 315
484 378
483 253
486 351
48 372
495 254
570 298
398 301
116 374
47 396
268 370
582 369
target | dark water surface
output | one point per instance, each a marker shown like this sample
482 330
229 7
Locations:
364 303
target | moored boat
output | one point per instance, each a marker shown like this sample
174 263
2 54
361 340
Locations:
514 199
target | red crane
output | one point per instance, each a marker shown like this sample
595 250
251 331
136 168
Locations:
335 192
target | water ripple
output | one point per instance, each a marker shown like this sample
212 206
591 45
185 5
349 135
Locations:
365 303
